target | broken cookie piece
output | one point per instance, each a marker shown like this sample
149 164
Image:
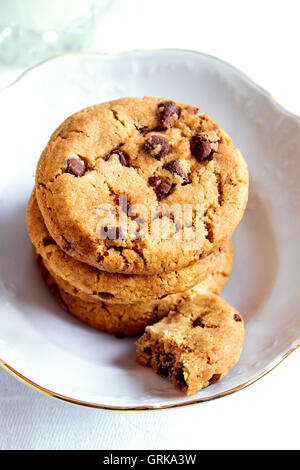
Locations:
196 345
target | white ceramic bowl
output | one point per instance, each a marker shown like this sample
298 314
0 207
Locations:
51 350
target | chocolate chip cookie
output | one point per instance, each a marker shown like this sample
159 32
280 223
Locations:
96 286
125 319
196 344
141 186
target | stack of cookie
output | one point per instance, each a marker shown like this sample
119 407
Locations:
131 216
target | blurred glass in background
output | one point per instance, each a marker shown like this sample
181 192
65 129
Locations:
31 30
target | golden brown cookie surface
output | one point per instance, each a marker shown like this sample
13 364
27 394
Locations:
96 286
104 165
127 319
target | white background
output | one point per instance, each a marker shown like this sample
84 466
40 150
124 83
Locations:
261 38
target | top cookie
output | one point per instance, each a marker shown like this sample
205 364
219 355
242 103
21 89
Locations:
141 185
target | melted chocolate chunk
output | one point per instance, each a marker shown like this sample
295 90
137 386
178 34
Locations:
163 371
198 322
176 168
179 377
123 157
167 110
200 147
76 166
163 296
237 317
105 295
154 181
142 129
157 146
162 190
215 378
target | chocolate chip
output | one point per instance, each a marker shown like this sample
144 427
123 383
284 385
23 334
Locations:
163 371
162 190
200 147
157 146
163 296
175 167
198 322
237 317
154 180
215 378
142 129
120 335
76 166
167 110
105 295
148 350
179 377
123 157
49 241
112 233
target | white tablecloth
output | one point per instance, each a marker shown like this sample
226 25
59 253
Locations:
260 37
